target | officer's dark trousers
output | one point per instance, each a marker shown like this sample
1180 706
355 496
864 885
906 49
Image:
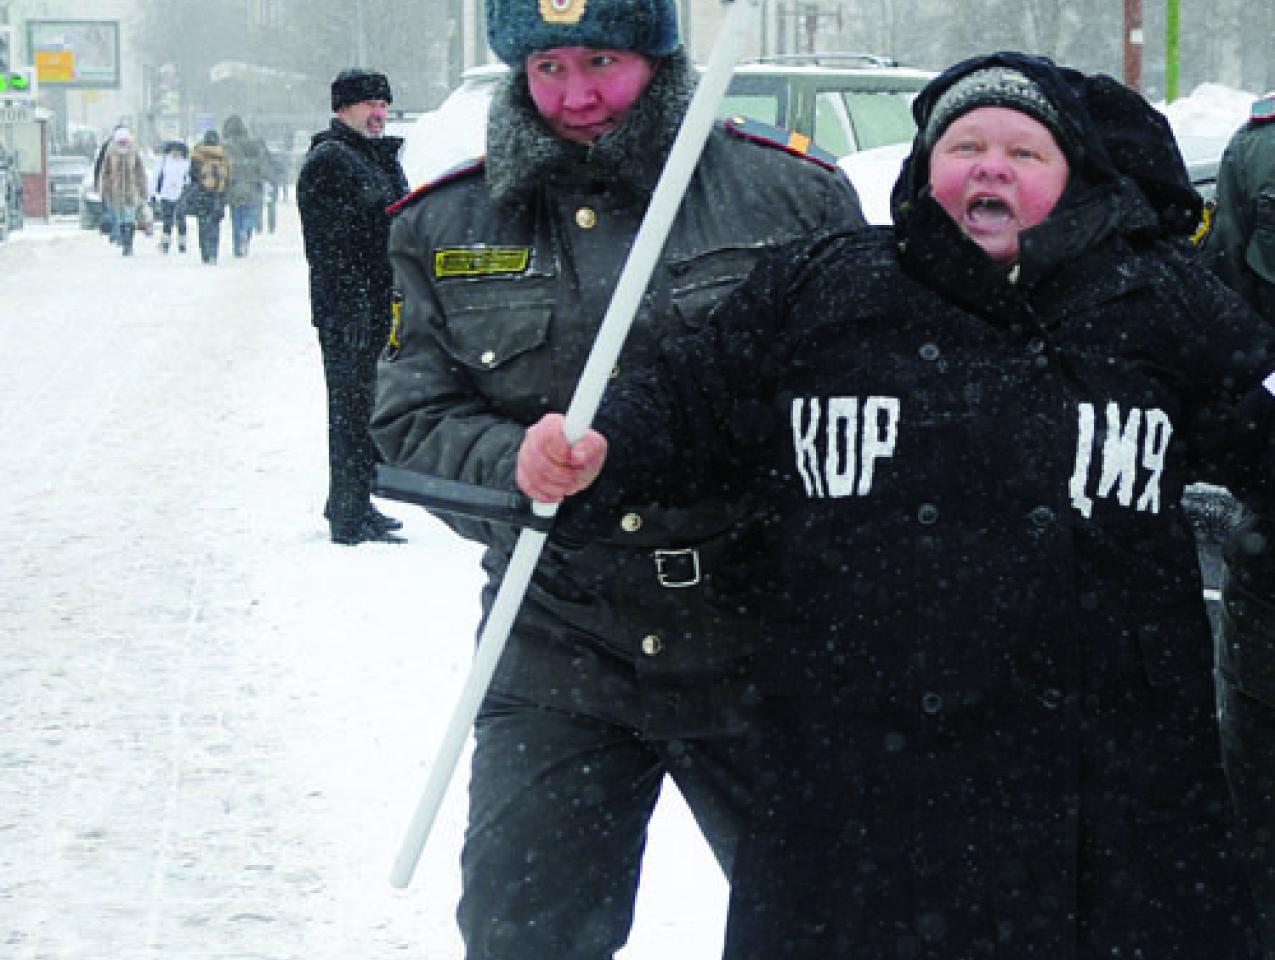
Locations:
1248 749
559 805
350 374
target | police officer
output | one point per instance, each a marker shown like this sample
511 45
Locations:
350 176
1246 693
1241 245
1241 249
627 662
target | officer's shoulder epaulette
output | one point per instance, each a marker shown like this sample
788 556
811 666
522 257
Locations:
1263 109
798 144
463 169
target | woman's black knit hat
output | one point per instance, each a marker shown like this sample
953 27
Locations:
997 86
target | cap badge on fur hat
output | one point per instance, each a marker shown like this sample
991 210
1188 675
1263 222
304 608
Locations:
562 11
995 87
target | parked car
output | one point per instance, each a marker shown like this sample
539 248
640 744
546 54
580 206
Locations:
66 173
4 204
90 201
844 102
1202 155
10 195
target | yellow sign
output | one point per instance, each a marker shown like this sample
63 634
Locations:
477 261
55 66
562 11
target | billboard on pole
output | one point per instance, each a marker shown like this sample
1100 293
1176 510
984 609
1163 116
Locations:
75 54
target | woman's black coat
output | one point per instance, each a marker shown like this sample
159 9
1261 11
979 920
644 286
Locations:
990 722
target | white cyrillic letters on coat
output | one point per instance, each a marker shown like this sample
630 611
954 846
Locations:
1130 444
852 443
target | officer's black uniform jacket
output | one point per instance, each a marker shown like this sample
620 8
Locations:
1241 244
989 712
345 186
507 272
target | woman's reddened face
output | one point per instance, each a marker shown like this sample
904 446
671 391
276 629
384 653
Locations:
997 172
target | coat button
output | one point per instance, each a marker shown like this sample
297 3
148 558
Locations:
631 522
932 703
651 644
1042 516
488 358
586 218
1051 698
1036 345
927 514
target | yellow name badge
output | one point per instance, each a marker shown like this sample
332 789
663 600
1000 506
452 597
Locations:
480 261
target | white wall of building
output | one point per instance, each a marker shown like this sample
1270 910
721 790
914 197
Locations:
96 108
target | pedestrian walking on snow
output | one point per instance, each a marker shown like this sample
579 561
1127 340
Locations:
245 191
170 183
124 186
206 196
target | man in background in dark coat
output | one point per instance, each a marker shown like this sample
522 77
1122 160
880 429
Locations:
209 174
1241 250
350 175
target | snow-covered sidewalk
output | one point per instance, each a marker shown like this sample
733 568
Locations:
214 723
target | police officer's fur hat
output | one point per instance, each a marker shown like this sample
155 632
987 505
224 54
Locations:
516 28
356 85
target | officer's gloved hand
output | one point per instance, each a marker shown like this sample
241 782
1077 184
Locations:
358 336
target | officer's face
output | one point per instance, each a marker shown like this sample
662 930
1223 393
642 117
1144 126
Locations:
367 117
997 172
582 92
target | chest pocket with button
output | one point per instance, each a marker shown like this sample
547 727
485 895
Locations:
505 350
699 283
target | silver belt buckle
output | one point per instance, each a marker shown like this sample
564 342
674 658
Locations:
675 569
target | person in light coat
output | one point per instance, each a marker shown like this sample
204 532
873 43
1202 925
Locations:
124 186
170 183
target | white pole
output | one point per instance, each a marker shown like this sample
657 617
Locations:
647 245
